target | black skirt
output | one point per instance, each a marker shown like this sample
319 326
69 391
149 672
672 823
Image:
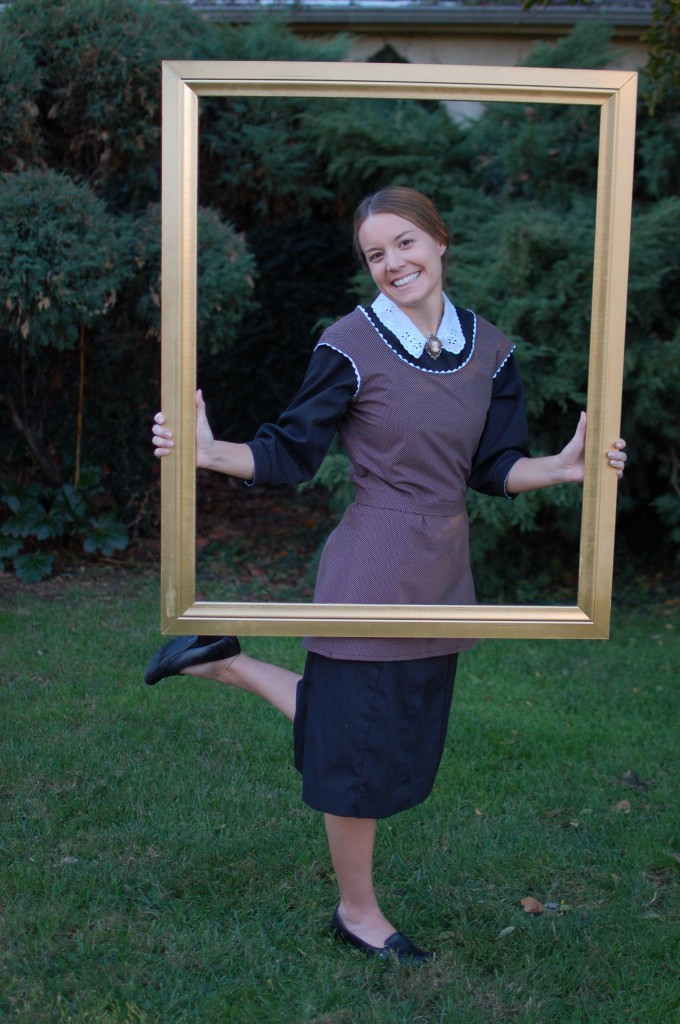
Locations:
369 735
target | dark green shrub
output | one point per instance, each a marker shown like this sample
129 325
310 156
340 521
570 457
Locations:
662 87
20 144
97 88
226 278
522 229
63 258
81 95
39 517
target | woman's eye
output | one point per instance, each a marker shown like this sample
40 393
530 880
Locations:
406 241
374 257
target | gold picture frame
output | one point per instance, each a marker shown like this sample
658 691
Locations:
183 83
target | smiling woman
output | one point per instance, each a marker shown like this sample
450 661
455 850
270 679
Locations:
428 401
406 265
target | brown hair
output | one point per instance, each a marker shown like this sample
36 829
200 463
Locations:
407 203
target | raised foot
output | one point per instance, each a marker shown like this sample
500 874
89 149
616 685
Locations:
186 651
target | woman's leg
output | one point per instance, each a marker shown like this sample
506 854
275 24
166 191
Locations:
274 684
351 843
351 840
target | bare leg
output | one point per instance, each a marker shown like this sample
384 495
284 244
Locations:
276 685
351 843
351 840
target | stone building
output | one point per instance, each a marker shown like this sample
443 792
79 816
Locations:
448 31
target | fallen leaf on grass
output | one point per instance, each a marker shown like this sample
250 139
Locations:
622 807
532 906
658 877
506 931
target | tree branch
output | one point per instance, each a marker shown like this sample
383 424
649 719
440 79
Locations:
42 461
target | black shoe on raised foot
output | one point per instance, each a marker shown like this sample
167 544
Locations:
397 945
185 651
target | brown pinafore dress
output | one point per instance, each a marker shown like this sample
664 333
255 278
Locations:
411 435
372 712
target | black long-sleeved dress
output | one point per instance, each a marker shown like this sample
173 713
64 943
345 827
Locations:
418 431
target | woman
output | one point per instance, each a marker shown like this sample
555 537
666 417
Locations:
428 401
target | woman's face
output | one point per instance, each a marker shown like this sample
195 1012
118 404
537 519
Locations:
405 262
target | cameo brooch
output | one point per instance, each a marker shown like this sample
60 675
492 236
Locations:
434 346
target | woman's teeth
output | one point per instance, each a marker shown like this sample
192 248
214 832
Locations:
406 280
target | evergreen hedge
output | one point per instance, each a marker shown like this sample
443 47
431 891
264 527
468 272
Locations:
80 91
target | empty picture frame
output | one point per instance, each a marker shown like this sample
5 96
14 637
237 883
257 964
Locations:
614 92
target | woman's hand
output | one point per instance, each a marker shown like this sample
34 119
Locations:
164 441
204 435
571 459
221 456
617 457
572 456
162 437
567 467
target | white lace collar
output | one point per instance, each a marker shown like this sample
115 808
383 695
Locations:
449 332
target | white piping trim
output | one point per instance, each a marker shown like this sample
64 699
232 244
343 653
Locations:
340 352
408 362
504 362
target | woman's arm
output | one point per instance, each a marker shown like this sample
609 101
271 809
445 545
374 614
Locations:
505 437
221 456
529 474
288 451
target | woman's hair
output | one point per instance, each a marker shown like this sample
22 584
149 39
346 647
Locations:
407 203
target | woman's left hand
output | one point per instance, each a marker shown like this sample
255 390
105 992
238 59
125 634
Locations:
572 456
617 457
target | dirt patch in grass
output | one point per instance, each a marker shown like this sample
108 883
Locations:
258 545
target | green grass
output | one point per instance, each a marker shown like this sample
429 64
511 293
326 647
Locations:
158 866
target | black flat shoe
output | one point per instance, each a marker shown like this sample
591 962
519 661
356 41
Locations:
397 945
185 651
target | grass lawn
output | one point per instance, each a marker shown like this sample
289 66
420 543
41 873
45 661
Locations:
158 866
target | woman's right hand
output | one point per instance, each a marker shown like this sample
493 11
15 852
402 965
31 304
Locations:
163 439
222 456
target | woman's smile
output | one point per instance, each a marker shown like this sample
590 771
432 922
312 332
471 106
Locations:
406 280
406 265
